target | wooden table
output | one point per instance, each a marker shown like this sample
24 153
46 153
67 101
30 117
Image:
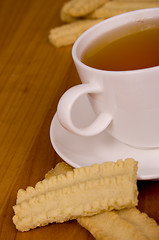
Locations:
33 76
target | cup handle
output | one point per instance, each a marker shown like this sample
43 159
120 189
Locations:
65 106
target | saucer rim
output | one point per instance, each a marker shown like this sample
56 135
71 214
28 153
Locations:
140 177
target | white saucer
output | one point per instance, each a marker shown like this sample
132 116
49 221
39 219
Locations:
81 151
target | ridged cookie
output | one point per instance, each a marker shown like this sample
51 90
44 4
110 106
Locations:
82 192
79 175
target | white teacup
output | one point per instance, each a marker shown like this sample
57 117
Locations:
126 103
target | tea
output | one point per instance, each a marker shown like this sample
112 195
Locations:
135 51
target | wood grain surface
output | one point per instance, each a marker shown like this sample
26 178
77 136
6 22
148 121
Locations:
33 76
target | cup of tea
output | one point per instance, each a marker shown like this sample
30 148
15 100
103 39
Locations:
118 64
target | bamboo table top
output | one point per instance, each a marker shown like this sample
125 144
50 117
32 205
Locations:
33 76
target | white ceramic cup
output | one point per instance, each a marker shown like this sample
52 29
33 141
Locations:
126 103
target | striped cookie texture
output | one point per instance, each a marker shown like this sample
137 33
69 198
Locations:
79 175
115 7
68 33
127 223
146 225
120 225
74 198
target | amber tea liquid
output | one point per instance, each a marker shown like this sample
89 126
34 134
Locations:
135 51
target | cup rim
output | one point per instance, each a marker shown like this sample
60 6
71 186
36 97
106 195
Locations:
108 21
